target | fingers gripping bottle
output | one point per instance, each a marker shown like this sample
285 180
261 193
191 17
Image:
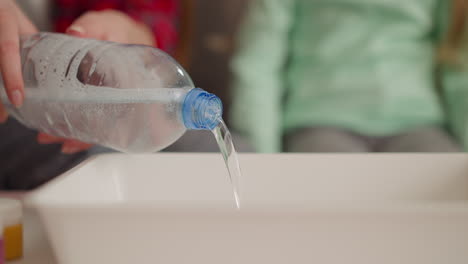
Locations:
131 98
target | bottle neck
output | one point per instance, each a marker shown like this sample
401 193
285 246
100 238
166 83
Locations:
201 110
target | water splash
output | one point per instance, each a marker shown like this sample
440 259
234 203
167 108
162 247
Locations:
226 146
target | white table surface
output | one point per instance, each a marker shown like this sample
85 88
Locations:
36 247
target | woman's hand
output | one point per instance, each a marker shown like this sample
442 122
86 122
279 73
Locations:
13 23
111 25
69 146
107 25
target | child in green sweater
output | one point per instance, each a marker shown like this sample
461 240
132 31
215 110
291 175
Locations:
350 76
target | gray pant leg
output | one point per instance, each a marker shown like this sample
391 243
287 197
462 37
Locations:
322 139
204 141
25 164
97 150
427 139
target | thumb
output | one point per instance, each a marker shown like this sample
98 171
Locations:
76 30
87 26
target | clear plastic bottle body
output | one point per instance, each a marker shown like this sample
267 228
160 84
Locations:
126 97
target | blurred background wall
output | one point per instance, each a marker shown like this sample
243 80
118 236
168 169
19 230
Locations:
216 23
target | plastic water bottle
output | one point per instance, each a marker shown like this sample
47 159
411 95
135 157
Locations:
131 98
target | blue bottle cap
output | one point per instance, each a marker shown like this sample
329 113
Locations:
201 110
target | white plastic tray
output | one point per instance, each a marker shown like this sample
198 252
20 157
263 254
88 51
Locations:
173 208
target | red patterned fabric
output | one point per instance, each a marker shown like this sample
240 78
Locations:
160 15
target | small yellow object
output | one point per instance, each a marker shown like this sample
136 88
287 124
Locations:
11 214
13 236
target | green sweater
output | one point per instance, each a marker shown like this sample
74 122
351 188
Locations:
363 65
